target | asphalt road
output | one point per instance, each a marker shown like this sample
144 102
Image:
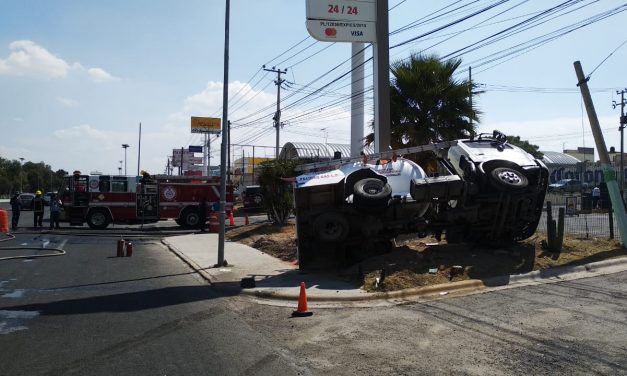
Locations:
569 328
91 313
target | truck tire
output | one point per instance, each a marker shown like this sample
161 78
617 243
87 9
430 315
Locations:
330 227
98 219
371 193
505 177
190 218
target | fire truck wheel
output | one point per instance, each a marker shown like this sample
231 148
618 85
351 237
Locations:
190 218
331 227
98 219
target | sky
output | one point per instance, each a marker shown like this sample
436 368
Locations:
78 77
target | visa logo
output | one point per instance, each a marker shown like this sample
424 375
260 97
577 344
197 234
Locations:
357 33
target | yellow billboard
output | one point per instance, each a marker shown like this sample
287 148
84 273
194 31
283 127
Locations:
206 125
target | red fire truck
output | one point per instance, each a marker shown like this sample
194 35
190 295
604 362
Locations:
103 199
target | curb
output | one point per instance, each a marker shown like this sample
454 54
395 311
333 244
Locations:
552 275
191 263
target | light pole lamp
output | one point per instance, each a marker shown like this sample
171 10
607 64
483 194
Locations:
125 146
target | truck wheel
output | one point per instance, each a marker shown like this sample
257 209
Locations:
98 219
330 227
190 218
505 177
371 192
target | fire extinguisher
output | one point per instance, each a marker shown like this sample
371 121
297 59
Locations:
129 249
121 246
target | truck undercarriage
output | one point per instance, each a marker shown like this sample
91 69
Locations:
485 191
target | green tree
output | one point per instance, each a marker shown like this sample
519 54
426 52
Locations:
526 146
427 104
275 181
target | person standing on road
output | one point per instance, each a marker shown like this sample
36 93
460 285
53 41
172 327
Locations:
55 211
596 195
38 210
16 207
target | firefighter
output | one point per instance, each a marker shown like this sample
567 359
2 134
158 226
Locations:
55 211
38 209
16 207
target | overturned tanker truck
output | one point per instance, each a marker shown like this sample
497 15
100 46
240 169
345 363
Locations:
480 190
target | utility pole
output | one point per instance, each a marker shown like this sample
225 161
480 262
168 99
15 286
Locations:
608 172
623 123
228 154
139 147
225 135
277 115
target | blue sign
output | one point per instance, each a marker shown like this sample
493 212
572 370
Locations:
195 149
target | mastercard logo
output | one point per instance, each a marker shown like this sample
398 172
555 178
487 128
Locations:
330 32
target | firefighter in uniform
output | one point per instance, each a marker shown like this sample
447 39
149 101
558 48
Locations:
38 209
16 207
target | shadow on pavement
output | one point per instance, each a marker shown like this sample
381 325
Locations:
126 302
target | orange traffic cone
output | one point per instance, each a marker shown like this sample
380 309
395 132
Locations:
246 221
302 311
231 219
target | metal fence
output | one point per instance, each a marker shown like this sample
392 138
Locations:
585 217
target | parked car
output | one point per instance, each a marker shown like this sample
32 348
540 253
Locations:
27 200
47 197
252 197
567 185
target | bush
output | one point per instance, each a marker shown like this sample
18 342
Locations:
275 180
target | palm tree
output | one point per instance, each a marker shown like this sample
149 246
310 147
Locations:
427 104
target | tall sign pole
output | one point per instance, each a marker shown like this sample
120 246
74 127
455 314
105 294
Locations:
225 141
382 80
359 21
609 174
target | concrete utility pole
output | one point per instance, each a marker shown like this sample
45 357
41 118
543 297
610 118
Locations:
623 123
382 80
277 115
608 172
225 138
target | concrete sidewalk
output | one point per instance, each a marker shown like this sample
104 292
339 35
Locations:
278 282
274 278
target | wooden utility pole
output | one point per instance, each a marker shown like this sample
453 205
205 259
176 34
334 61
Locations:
277 115
608 172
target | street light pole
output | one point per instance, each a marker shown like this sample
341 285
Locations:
21 173
125 146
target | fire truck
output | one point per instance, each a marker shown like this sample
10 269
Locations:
100 200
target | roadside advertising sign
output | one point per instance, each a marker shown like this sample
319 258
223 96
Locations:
342 20
206 124
195 149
